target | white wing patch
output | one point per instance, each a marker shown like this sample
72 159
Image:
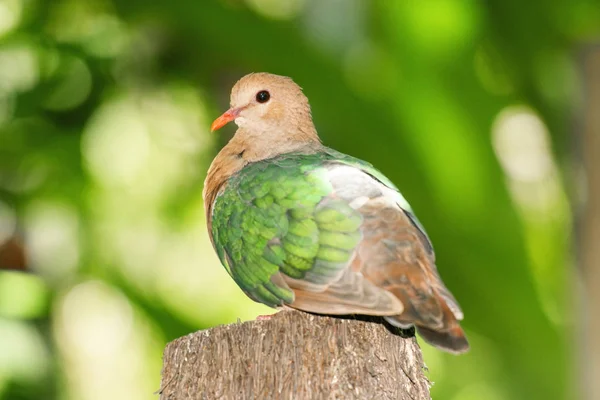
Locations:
357 187
358 202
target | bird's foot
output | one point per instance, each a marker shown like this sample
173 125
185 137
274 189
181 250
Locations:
264 317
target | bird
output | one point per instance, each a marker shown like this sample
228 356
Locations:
297 224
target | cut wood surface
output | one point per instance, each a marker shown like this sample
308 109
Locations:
295 355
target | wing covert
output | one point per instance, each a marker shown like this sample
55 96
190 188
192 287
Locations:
278 225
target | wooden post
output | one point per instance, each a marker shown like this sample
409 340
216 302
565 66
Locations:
295 355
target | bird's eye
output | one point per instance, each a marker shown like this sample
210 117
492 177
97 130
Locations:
263 96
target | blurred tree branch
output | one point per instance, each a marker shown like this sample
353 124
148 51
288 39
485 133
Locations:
589 223
295 355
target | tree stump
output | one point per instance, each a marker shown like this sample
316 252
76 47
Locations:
295 355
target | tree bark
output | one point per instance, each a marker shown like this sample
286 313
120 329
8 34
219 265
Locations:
295 355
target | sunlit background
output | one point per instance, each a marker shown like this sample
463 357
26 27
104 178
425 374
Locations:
472 108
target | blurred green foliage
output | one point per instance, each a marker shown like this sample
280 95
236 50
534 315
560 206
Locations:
104 143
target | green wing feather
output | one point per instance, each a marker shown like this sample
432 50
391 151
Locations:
279 216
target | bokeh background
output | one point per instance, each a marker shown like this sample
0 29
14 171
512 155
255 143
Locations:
478 111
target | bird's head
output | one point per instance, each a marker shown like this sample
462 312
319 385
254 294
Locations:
266 106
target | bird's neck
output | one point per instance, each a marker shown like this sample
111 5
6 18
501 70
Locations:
247 147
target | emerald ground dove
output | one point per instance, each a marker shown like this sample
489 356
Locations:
298 224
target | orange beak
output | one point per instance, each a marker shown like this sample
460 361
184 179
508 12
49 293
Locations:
224 119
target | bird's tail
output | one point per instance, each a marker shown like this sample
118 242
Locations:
447 335
451 339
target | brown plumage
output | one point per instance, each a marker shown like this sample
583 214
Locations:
391 270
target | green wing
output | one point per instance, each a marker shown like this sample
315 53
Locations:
280 216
